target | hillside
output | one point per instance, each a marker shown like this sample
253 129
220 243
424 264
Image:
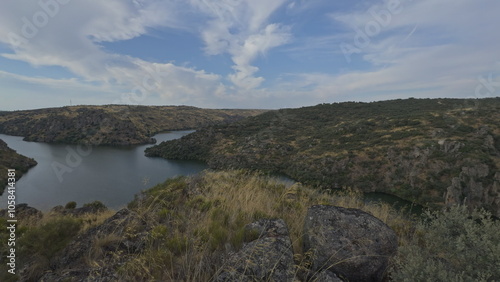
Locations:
111 124
432 151
9 159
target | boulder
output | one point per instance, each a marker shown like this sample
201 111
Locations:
348 242
267 258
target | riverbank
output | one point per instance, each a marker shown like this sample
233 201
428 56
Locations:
10 159
110 174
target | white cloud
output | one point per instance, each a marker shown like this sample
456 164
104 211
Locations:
429 48
241 29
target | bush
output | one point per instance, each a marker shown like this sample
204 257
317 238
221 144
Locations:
96 205
455 245
70 205
49 238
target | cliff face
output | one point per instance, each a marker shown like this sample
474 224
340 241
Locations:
9 159
112 124
434 152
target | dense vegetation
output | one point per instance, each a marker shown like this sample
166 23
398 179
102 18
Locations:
9 159
111 124
188 225
430 151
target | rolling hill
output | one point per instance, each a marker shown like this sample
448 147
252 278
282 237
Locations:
110 124
435 152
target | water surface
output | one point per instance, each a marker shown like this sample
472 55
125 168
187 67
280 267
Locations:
110 174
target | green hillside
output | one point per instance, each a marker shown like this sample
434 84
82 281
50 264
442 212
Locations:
432 151
111 124
9 159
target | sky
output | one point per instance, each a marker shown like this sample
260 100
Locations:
245 53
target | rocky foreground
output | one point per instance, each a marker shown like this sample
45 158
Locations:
240 226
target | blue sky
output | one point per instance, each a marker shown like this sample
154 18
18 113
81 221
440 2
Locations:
245 53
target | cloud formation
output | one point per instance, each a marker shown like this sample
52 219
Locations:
328 50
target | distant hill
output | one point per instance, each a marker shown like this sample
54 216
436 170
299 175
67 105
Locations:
9 159
111 124
432 151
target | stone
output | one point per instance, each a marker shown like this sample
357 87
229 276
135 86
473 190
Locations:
267 258
327 276
348 242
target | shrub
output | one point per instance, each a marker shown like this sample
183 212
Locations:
50 237
70 205
455 245
96 205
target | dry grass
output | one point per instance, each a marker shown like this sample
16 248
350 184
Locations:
200 219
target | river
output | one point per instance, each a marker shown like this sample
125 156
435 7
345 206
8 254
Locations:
110 174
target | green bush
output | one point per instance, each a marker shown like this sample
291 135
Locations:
70 205
455 245
96 205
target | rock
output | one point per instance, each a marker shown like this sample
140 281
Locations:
327 276
470 188
23 212
348 242
267 258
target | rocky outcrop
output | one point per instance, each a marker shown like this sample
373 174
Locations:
345 244
23 212
267 258
348 242
470 189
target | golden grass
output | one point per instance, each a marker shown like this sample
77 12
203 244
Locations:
199 219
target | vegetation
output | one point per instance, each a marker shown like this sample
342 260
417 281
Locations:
9 159
38 241
409 148
454 245
70 205
193 223
110 124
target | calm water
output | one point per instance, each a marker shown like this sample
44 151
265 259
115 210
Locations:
112 175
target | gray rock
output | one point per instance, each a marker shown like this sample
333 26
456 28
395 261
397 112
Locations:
267 258
327 276
348 242
23 212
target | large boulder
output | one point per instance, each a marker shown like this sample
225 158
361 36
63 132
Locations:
349 242
267 258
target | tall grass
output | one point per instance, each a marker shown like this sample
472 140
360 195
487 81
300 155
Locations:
199 220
